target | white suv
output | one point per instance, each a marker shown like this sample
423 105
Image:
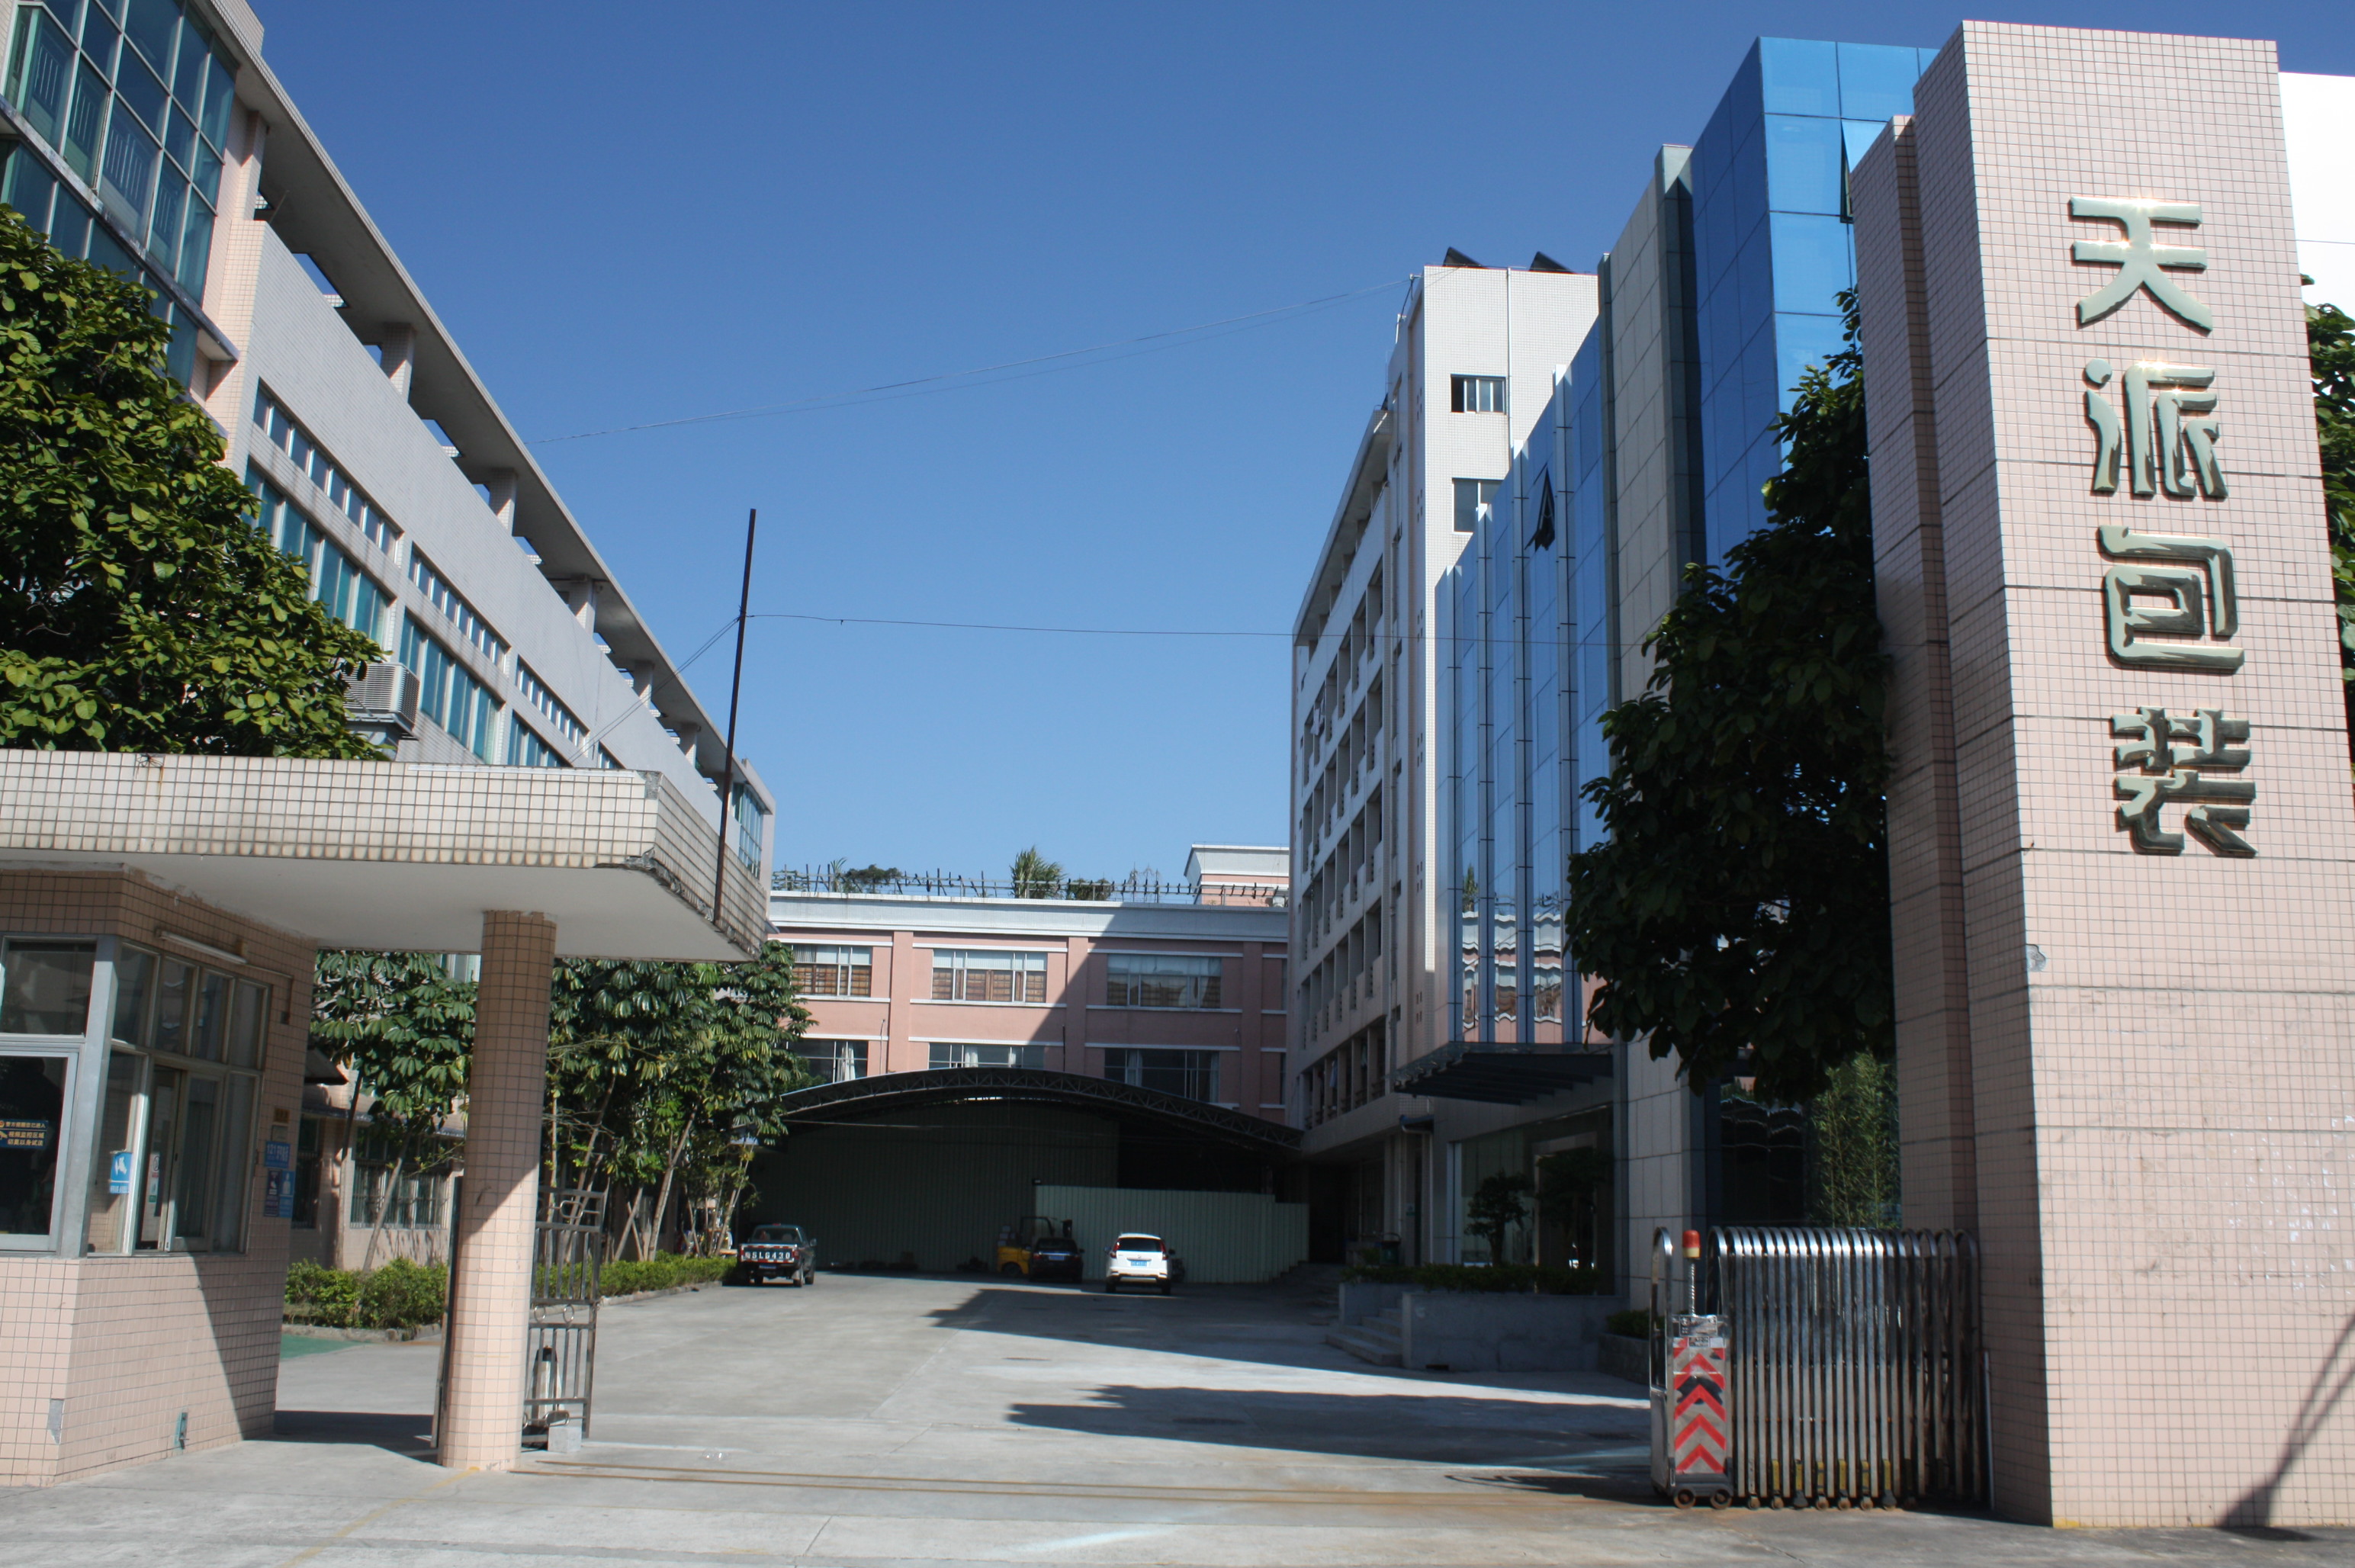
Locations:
1138 1260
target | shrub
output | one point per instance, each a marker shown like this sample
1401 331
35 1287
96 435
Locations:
1502 1279
661 1272
1635 1323
401 1294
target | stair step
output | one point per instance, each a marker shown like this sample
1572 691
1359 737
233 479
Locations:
1367 1342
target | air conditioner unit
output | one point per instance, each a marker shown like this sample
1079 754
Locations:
383 696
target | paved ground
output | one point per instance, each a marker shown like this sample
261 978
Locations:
878 1420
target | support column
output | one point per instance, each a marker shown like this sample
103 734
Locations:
481 1408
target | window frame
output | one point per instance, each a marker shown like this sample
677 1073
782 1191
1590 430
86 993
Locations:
847 970
1130 989
1126 1064
955 962
1477 394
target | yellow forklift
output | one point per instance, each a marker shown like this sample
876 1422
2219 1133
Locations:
1017 1241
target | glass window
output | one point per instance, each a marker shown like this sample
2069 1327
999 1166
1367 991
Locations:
248 1003
833 971
206 1035
1876 81
197 1157
220 91
107 1229
153 24
137 89
87 122
527 750
1475 500
448 694
836 1061
1188 1074
32 1118
127 183
1475 394
1161 980
947 1055
414 1202
134 985
1799 76
45 986
1812 262
751 819
40 71
1803 164
1803 340
982 976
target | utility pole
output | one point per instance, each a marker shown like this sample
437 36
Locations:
735 687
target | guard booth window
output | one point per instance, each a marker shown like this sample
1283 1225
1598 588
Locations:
172 1170
44 994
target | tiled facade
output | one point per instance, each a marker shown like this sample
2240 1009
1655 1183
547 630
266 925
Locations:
2129 1072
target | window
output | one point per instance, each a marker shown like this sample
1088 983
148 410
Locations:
751 821
535 692
141 115
833 971
412 1204
526 750
32 1125
1475 394
946 1055
272 419
455 610
1188 1074
979 976
173 1163
45 986
1161 980
836 1061
447 694
1475 500
346 593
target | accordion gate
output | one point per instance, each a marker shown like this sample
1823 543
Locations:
1855 1370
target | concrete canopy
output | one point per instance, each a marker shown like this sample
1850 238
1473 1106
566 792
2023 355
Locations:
384 855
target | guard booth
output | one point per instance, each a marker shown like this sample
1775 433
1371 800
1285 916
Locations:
1813 1366
159 921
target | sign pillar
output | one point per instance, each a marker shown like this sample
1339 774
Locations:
2123 841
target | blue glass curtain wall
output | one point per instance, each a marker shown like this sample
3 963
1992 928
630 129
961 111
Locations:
1774 246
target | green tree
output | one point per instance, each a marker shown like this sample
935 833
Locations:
406 1031
1035 877
1852 1175
1737 913
2330 345
1496 1205
140 608
656 1070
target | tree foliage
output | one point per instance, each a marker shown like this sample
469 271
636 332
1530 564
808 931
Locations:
405 1028
1737 913
140 608
1496 1206
2331 344
1034 876
658 1072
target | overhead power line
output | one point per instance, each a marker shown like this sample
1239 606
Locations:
943 381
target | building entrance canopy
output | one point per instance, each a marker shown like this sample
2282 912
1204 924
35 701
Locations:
1500 1074
391 856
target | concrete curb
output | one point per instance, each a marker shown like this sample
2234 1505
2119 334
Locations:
362 1336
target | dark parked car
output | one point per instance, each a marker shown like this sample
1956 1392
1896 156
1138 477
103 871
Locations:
1055 1257
777 1252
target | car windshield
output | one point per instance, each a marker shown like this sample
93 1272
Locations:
1138 1245
778 1234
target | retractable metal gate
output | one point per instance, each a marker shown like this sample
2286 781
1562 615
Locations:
560 1345
1856 1374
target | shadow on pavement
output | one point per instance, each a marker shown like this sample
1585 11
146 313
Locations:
410 1436
1434 1428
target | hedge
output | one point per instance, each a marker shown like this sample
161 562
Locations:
404 1295
1524 1279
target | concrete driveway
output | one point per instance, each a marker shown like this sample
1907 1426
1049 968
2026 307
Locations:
876 1420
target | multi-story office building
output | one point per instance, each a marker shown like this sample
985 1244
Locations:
1648 456
1477 352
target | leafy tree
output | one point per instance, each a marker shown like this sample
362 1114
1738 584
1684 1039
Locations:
2331 344
1496 1205
658 1070
1737 913
140 608
850 879
1852 1175
406 1030
1035 877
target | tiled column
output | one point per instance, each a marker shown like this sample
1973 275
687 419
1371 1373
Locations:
481 1413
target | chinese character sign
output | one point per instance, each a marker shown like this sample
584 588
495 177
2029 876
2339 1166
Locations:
2168 600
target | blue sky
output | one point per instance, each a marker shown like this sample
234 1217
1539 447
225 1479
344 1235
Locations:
631 214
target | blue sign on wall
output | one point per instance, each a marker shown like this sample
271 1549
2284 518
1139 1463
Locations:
118 1171
277 1155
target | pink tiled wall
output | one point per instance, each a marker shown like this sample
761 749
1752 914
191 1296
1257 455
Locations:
128 1343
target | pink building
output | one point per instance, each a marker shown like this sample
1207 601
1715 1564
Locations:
1185 995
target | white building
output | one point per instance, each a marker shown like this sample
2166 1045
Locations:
1477 353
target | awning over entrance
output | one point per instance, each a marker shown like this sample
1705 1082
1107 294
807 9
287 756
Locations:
892 1090
1500 1073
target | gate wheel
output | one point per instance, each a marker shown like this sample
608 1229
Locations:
1683 1497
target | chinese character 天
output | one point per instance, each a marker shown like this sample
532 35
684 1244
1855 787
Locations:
2140 258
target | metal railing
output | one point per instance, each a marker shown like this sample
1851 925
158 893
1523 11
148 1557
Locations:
560 1345
1134 887
1856 1371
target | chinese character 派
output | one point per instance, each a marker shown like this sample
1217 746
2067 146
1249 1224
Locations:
2169 751
2193 576
2139 258
2169 438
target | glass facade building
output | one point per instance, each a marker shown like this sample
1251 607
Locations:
1543 615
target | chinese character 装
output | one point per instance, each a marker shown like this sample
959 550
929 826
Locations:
2174 757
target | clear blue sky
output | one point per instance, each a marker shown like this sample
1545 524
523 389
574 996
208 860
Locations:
631 213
